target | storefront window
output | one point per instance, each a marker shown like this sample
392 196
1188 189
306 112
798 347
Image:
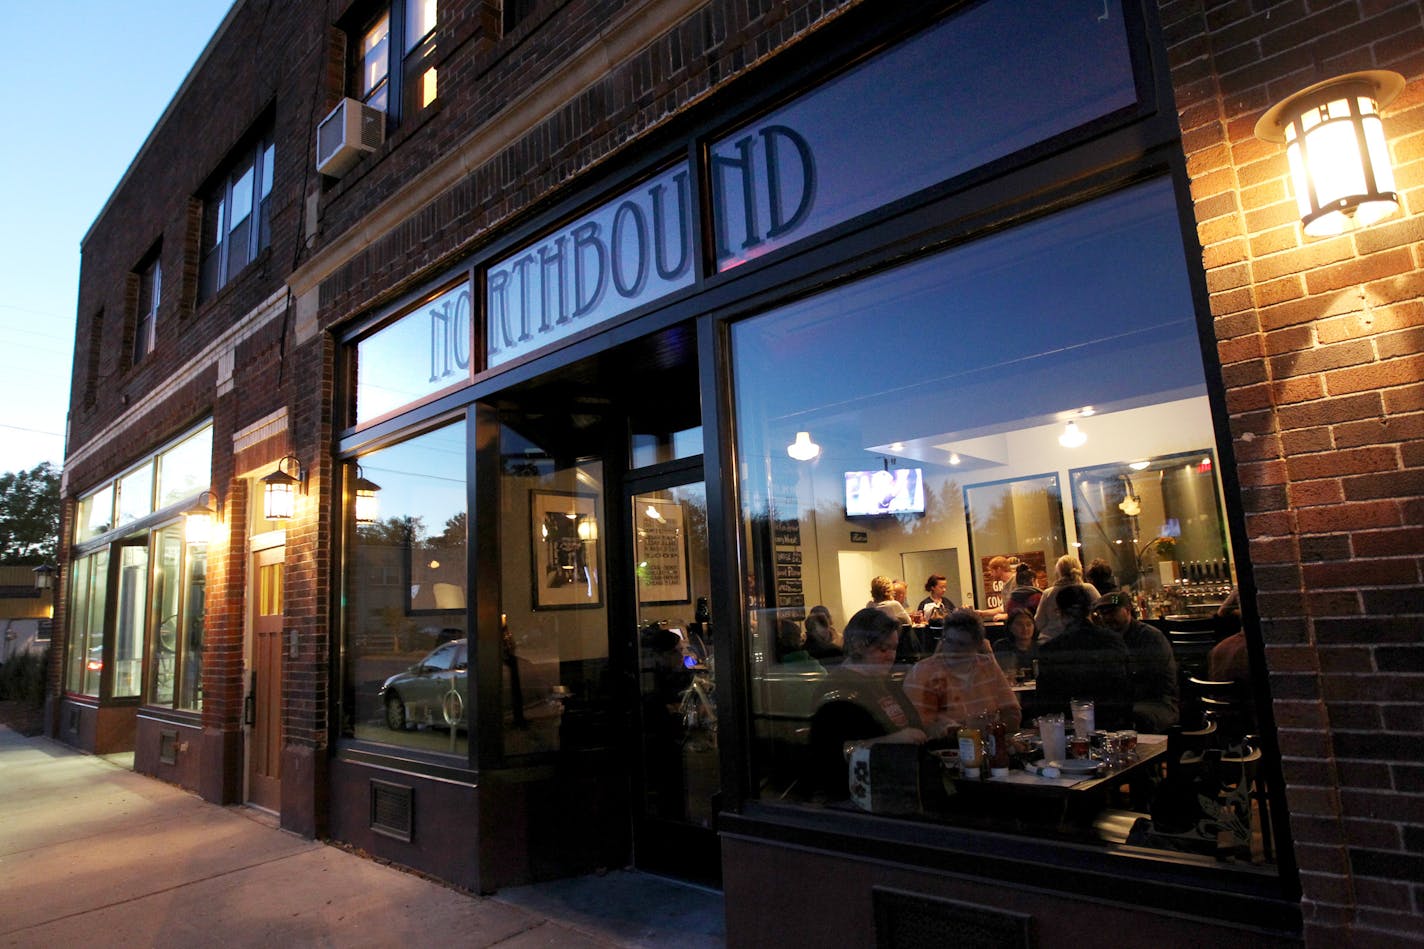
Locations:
89 582
406 667
423 352
96 514
190 633
177 596
987 82
184 469
136 494
953 401
553 590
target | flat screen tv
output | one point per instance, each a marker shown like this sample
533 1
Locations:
896 491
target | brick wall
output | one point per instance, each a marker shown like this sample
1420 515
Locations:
703 52
1320 346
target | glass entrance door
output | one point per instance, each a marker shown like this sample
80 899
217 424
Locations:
679 777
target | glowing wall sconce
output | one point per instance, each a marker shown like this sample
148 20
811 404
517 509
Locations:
44 576
367 507
279 489
198 519
1335 143
803 449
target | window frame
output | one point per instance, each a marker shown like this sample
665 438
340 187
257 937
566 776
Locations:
145 322
407 60
255 159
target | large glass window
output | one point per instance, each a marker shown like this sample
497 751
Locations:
176 651
406 671
89 581
185 469
96 514
553 588
424 352
1063 350
156 616
136 494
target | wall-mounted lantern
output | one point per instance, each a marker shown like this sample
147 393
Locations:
1339 160
367 508
279 489
198 519
44 576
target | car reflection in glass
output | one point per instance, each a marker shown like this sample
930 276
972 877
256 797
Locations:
431 692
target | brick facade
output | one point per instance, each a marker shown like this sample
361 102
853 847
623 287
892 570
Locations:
1318 343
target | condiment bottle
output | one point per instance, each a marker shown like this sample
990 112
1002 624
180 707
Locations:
971 751
999 761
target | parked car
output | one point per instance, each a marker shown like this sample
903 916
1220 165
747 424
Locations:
431 692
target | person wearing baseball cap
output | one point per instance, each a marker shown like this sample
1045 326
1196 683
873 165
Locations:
1152 670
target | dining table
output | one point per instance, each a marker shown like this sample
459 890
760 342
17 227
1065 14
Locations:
1065 798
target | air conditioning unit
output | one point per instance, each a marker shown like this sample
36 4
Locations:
347 131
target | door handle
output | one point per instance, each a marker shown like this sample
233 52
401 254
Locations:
249 704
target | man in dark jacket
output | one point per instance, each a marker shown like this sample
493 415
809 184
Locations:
1151 666
1085 662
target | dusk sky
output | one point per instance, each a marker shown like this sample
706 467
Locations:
88 81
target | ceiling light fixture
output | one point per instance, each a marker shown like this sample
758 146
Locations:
803 449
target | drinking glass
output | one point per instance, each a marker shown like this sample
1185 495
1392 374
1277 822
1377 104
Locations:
1050 730
1083 717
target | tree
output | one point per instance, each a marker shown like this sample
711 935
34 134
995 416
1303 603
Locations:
29 515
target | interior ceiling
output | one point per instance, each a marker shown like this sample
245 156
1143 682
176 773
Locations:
652 381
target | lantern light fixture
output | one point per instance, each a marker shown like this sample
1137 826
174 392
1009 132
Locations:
1339 159
367 507
279 489
198 519
44 576
803 449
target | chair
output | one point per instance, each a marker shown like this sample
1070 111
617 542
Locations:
1227 705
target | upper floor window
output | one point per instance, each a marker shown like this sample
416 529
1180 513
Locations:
407 27
150 284
236 216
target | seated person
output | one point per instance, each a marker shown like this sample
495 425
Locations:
823 640
791 648
1084 662
1019 648
1152 668
882 598
1227 661
1022 594
960 680
1100 575
937 603
859 701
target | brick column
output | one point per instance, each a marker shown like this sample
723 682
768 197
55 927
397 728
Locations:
1320 347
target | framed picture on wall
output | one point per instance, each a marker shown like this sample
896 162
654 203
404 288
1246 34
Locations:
660 552
564 532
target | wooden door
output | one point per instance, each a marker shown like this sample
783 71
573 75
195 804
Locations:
264 700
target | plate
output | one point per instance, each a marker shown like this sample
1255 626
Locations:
1075 765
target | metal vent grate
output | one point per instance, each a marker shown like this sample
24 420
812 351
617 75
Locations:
392 806
912 921
168 747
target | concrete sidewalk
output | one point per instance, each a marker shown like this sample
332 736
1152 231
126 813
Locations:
92 854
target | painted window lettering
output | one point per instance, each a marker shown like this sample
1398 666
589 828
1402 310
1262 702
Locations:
628 252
